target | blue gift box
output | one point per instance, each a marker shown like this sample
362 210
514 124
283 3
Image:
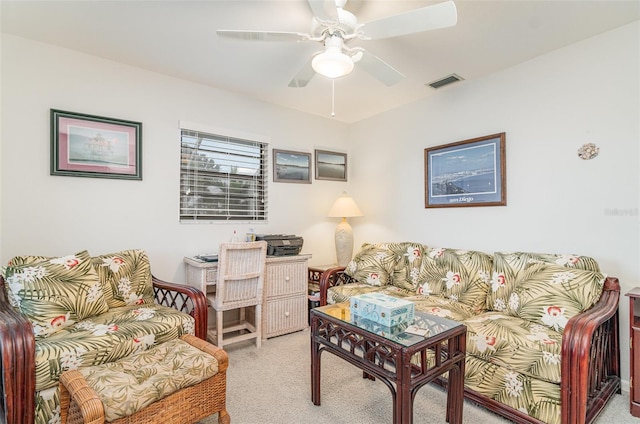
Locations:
379 329
382 309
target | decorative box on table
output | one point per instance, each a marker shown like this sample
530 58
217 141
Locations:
379 329
382 309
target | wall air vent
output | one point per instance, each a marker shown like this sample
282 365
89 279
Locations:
450 79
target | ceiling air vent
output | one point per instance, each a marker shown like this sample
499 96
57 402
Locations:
450 79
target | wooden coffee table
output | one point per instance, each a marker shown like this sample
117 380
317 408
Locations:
388 356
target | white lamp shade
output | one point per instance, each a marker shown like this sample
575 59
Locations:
344 207
332 62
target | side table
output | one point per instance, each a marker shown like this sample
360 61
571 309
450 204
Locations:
634 352
315 273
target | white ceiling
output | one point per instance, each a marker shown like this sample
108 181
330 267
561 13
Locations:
179 38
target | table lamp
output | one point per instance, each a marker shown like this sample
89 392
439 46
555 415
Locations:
344 207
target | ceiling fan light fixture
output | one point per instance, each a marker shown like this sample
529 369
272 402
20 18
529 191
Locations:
332 63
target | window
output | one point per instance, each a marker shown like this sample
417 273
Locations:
222 178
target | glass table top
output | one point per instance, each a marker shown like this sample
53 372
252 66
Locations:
423 325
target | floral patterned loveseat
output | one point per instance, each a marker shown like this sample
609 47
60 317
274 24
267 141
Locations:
62 313
542 329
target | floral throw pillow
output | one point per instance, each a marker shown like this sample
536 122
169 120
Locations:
410 258
125 277
372 265
457 274
551 295
55 292
511 267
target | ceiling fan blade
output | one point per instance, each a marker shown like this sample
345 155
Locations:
262 35
439 15
303 76
324 10
380 69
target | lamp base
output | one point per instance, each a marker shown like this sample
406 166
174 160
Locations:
344 242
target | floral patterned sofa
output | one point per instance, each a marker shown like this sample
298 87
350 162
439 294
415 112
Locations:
62 313
542 329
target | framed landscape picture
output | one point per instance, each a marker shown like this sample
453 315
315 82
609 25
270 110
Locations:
466 173
93 146
331 165
291 167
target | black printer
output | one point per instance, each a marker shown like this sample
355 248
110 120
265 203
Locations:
281 244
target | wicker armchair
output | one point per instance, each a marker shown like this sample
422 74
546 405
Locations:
17 346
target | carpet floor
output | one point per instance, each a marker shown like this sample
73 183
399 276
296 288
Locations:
272 385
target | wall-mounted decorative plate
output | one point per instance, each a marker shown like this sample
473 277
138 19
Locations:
588 151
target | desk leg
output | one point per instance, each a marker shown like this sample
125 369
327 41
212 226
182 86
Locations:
315 363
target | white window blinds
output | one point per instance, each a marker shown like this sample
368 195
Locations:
222 178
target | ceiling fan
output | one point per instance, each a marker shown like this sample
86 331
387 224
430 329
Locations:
335 27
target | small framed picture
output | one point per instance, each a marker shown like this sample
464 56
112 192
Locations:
466 173
93 146
331 166
291 167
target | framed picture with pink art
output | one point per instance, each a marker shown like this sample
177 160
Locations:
94 146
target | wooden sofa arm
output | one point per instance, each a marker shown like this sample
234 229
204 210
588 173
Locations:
332 277
17 369
185 299
591 358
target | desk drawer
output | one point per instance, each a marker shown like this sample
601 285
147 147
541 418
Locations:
284 316
285 278
212 275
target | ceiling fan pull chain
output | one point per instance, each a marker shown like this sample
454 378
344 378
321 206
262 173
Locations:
333 98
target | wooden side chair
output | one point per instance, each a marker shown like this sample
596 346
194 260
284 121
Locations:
241 272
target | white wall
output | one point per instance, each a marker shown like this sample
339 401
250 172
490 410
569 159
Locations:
53 215
556 202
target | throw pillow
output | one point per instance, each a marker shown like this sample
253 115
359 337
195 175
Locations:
463 275
126 277
508 268
409 261
372 265
55 292
551 295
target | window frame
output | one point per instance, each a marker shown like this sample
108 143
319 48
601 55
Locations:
215 150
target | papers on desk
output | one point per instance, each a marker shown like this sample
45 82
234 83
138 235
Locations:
213 257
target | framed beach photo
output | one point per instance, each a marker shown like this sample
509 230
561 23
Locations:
93 146
331 165
466 173
291 167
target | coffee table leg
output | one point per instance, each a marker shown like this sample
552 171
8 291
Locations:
455 397
403 409
315 364
455 391
368 346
